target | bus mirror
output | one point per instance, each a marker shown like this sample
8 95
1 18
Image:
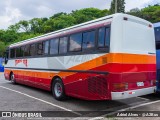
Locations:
5 57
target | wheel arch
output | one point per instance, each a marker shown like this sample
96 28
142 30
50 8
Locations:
53 81
10 75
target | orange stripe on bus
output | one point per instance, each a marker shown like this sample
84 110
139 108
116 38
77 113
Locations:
113 58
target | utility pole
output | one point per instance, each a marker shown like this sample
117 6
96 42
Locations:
115 6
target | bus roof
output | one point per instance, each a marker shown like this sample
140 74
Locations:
70 28
157 24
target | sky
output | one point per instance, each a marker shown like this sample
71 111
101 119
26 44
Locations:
12 11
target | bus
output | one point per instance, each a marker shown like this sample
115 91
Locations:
109 58
157 38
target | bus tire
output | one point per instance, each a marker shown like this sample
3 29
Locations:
58 89
12 78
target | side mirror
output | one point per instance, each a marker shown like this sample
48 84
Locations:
5 57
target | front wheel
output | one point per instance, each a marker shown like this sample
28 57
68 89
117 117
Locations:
58 89
12 78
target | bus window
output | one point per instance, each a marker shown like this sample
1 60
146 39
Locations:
46 47
39 48
32 50
26 50
63 45
18 52
12 53
157 37
101 37
75 42
54 46
107 37
22 51
88 40
157 33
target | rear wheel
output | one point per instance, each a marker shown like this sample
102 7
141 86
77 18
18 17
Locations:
58 89
12 78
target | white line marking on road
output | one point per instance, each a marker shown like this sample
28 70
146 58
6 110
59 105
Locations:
41 100
125 109
143 98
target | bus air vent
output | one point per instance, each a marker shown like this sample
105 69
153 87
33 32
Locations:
97 85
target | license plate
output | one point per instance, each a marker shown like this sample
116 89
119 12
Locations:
140 84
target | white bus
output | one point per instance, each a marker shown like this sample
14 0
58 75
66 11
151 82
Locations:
108 58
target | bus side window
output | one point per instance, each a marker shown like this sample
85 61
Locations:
107 37
12 53
26 50
157 45
63 45
39 48
46 47
18 52
88 40
103 37
32 49
75 42
157 37
54 46
22 51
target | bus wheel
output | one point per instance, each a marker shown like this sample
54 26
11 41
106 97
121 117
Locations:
58 89
13 78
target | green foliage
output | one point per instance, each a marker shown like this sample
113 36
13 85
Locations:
87 14
24 36
120 6
150 13
2 48
8 36
36 25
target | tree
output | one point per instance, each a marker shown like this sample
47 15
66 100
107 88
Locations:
88 14
64 21
24 26
58 15
120 6
36 25
8 36
150 13
2 48
136 12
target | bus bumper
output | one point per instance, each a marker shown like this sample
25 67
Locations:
132 93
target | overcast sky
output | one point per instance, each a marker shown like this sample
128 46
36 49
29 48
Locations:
12 11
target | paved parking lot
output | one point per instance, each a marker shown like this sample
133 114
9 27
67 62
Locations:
24 98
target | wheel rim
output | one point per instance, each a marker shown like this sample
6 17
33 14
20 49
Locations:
12 78
58 89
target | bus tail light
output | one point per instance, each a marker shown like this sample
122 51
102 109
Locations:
153 82
120 86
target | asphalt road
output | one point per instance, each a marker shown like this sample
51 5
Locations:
24 98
